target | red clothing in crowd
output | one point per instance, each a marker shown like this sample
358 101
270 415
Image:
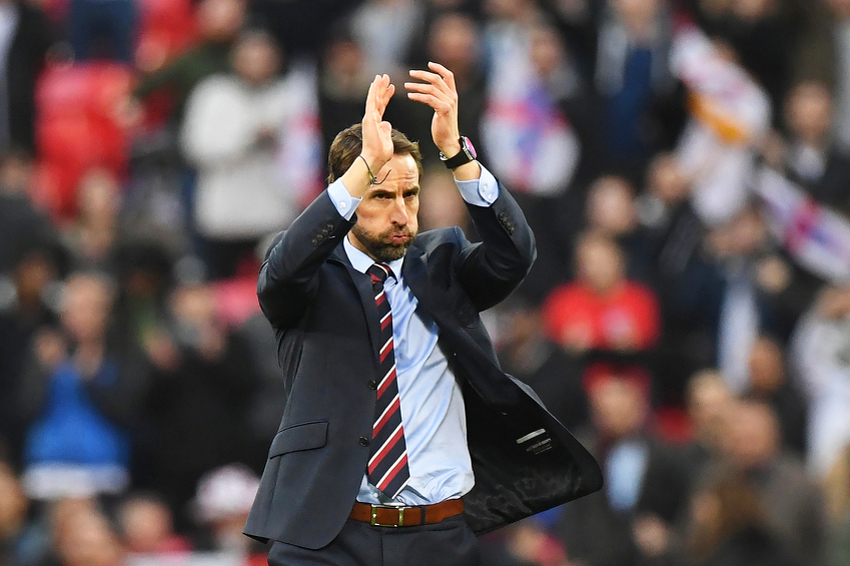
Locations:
625 319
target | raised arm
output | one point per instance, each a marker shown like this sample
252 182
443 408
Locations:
491 270
288 277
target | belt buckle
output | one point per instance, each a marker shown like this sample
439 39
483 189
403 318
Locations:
374 521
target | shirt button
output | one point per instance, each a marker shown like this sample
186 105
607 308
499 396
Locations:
373 384
342 205
364 441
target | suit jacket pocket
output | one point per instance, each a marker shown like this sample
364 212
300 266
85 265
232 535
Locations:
306 436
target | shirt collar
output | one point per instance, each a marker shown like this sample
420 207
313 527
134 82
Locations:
361 261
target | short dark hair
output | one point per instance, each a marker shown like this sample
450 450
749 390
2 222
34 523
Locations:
347 146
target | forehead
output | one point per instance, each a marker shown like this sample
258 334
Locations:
401 172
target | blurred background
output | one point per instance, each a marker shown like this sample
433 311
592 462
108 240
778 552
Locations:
685 166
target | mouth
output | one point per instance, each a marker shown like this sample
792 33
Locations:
399 238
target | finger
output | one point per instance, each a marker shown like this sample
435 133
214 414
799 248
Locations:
440 106
385 98
426 88
432 78
447 75
450 99
372 95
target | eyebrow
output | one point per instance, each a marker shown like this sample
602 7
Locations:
377 191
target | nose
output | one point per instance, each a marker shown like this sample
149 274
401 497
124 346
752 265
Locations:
399 214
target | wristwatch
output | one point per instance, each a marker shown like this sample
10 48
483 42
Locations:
467 154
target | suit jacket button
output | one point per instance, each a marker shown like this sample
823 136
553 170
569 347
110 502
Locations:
373 384
364 441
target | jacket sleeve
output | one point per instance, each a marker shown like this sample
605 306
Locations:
490 270
288 278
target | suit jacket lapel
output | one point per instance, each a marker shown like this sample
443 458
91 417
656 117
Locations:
416 276
363 284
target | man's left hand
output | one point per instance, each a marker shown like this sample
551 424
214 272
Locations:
440 93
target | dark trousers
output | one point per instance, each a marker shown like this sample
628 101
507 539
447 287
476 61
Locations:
448 543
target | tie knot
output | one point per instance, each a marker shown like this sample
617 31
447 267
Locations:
379 272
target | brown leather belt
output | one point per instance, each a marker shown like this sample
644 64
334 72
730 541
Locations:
388 516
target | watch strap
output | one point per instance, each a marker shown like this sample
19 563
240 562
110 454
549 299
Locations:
463 157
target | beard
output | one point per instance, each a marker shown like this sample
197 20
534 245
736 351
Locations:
381 246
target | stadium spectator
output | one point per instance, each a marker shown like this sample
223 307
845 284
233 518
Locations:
792 503
814 161
147 527
242 134
729 527
77 400
601 310
630 520
194 407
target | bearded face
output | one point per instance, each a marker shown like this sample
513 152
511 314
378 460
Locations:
387 219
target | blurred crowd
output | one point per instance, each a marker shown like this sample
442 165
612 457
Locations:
685 166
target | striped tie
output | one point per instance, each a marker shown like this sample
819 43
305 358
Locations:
387 470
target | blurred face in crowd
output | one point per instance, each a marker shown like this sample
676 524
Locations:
740 237
665 180
808 112
13 502
638 16
753 10
440 203
600 263
146 524
547 50
16 173
220 20
618 407
32 274
766 365
256 58
507 9
752 434
453 41
98 196
708 400
610 206
718 511
387 219
834 303
194 304
518 325
86 539
344 57
86 306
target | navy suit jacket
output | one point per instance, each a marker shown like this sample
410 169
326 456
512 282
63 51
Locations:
323 312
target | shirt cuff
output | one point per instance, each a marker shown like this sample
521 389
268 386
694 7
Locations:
344 203
480 192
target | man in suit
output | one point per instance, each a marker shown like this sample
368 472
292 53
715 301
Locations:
397 412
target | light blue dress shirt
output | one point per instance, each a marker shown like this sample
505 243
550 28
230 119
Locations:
432 406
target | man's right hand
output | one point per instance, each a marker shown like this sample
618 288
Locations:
377 141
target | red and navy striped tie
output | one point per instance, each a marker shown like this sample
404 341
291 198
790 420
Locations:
388 469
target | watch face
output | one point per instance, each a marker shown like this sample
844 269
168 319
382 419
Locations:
467 145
